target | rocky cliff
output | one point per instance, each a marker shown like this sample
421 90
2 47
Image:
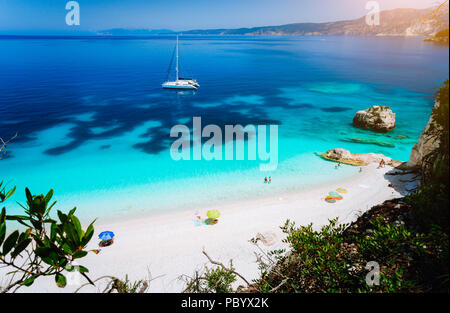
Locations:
430 154
428 143
440 37
397 22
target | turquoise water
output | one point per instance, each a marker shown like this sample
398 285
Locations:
94 123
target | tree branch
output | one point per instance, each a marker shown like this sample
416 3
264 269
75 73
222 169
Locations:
4 143
226 268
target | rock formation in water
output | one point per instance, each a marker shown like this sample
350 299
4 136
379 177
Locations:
377 118
358 159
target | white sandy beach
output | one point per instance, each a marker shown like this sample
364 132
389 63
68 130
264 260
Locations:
170 245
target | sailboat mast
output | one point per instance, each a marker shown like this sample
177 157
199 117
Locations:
177 57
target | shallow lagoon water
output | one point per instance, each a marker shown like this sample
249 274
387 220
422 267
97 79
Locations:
94 123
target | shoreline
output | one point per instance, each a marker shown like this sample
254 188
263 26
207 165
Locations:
143 201
170 245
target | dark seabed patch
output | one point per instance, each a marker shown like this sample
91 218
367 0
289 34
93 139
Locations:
335 109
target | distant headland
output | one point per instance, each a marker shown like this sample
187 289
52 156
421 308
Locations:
397 22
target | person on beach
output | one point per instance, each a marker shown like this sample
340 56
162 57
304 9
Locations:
270 179
265 180
382 163
106 243
360 169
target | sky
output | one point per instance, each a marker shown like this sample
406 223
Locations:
35 16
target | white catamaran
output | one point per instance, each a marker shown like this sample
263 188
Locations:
179 83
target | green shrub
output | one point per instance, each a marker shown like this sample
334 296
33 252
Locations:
213 280
47 247
331 261
429 207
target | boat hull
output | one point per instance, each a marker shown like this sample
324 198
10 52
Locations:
181 84
178 87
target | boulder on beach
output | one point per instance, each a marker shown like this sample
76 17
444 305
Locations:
358 159
338 154
377 118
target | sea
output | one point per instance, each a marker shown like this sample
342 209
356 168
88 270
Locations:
94 124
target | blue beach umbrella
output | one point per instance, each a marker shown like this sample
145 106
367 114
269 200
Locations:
106 235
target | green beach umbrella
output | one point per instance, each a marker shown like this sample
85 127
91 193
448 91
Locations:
334 194
213 214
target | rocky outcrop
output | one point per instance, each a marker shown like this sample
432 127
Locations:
440 38
377 118
428 143
357 159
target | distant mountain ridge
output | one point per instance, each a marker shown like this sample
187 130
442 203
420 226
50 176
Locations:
133 32
397 22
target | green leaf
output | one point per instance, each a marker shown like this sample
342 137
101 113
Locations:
49 220
43 252
60 280
67 249
10 193
77 224
72 211
26 210
53 231
2 216
47 260
29 281
79 254
2 232
88 279
82 269
20 247
72 235
23 236
36 224
49 196
62 217
10 242
50 207
29 196
17 217
88 235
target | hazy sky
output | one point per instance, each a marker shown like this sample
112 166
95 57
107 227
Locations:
38 15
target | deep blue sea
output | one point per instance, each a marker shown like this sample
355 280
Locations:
94 123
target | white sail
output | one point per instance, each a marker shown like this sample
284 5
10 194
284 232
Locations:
180 83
